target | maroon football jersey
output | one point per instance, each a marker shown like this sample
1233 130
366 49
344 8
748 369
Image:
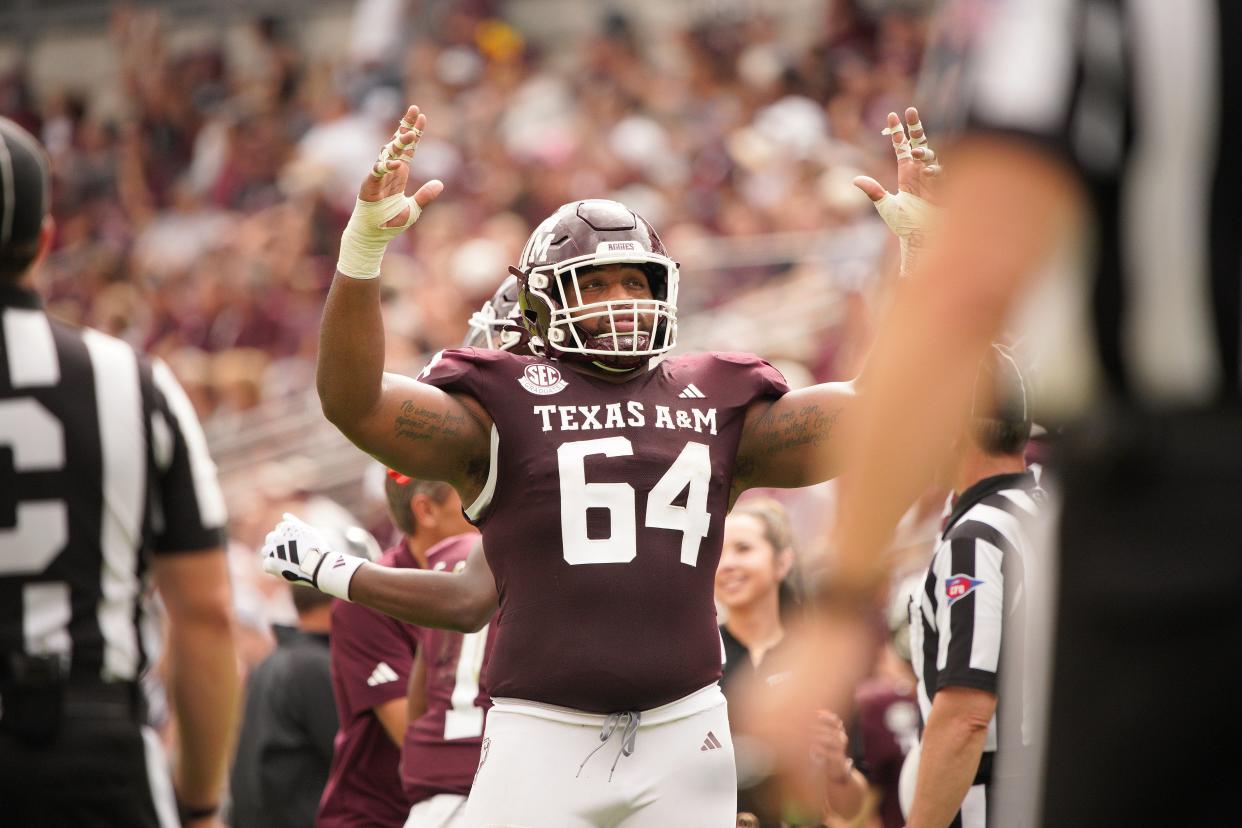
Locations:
441 749
371 659
602 520
888 722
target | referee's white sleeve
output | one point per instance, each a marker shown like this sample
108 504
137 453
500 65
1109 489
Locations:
192 505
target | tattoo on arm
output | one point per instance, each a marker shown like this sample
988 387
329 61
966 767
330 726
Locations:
417 423
808 426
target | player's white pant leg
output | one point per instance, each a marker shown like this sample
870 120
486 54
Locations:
542 765
440 811
527 776
684 772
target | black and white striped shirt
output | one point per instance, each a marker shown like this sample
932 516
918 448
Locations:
102 464
1139 96
974 596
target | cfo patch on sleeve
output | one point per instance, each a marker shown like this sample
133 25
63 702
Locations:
959 586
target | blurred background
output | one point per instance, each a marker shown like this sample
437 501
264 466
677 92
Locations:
207 154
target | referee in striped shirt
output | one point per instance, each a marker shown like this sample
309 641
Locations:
1097 134
105 488
973 599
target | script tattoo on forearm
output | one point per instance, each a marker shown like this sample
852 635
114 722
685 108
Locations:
809 426
418 423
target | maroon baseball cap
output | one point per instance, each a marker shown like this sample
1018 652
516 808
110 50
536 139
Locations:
25 186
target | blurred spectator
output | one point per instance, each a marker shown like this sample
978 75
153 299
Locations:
754 587
371 659
285 745
887 709
201 210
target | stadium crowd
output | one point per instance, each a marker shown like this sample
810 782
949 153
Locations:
198 218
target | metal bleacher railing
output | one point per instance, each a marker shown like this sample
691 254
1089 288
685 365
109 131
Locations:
785 316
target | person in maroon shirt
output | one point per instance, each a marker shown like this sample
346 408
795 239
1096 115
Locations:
887 727
371 658
600 472
447 704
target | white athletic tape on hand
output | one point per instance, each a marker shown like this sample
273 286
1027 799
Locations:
908 216
905 213
365 237
397 147
921 140
902 147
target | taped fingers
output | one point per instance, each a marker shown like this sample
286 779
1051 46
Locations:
401 148
914 125
901 144
403 142
918 136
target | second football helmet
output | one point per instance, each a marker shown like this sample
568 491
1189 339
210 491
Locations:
498 325
586 234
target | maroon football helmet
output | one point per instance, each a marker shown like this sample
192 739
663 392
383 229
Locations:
592 233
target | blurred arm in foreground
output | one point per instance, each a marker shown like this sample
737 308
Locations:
1004 205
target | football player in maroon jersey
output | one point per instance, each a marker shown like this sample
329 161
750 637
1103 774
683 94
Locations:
603 545
447 702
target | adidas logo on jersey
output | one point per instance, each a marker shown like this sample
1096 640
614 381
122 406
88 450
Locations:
382 674
710 743
691 392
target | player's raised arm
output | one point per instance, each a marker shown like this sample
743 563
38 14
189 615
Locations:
795 441
407 425
910 212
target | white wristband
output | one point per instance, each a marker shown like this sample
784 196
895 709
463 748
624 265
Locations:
335 572
365 237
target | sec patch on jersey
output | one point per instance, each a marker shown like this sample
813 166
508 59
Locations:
542 379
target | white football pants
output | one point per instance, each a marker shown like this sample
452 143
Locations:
551 766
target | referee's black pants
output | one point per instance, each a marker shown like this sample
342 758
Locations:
1146 706
102 769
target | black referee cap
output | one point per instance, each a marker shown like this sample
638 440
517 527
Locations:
25 186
